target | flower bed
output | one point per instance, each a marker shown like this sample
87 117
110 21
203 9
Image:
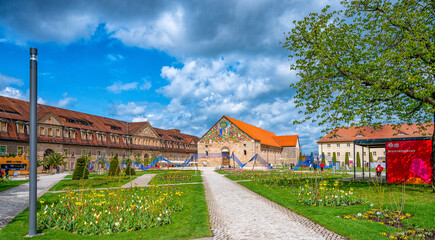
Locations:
326 195
111 211
382 216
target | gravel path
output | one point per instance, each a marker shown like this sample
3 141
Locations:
13 201
238 213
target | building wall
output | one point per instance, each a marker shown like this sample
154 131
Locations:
340 148
290 155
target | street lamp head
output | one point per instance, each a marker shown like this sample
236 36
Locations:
33 53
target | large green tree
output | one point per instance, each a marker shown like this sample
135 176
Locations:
371 63
55 159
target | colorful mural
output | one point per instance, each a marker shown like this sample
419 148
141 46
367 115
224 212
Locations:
225 131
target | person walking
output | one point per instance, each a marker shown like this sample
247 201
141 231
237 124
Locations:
322 165
379 169
2 173
7 172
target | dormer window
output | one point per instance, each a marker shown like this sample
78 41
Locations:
401 134
360 135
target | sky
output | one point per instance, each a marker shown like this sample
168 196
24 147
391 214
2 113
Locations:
175 64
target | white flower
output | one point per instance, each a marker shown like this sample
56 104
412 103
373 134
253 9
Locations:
336 196
158 219
117 224
320 200
359 214
371 205
378 213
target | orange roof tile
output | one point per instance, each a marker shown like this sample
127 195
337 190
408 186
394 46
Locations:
353 133
265 137
287 141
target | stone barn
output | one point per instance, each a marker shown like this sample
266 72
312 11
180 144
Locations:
230 136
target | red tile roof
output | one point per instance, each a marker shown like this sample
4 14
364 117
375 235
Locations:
386 131
18 110
265 137
287 141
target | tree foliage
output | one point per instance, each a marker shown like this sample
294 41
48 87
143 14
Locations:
346 160
372 63
334 157
114 169
55 159
358 160
371 157
80 171
128 170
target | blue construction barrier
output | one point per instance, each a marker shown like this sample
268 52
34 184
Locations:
312 160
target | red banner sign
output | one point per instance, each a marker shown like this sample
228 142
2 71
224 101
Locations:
409 161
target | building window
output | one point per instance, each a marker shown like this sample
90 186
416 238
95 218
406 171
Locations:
41 131
72 152
206 153
2 150
374 153
65 152
338 144
72 166
244 145
4 126
329 154
83 152
89 153
28 151
99 153
329 145
348 144
244 152
50 132
57 133
89 136
20 128
364 153
338 154
20 151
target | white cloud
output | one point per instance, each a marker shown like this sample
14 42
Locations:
164 32
66 101
146 85
130 108
114 57
13 93
8 80
41 101
119 86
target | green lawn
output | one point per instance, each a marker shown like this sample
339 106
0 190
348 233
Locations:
7 184
420 202
176 176
191 222
95 181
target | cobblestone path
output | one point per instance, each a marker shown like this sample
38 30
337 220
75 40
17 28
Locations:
13 201
238 213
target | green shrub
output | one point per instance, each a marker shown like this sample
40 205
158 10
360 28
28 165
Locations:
358 160
114 169
129 171
80 171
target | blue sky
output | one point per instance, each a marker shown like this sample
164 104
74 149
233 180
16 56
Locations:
175 64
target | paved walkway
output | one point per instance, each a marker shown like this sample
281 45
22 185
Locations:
13 201
238 213
141 181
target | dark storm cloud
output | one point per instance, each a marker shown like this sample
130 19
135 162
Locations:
205 27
